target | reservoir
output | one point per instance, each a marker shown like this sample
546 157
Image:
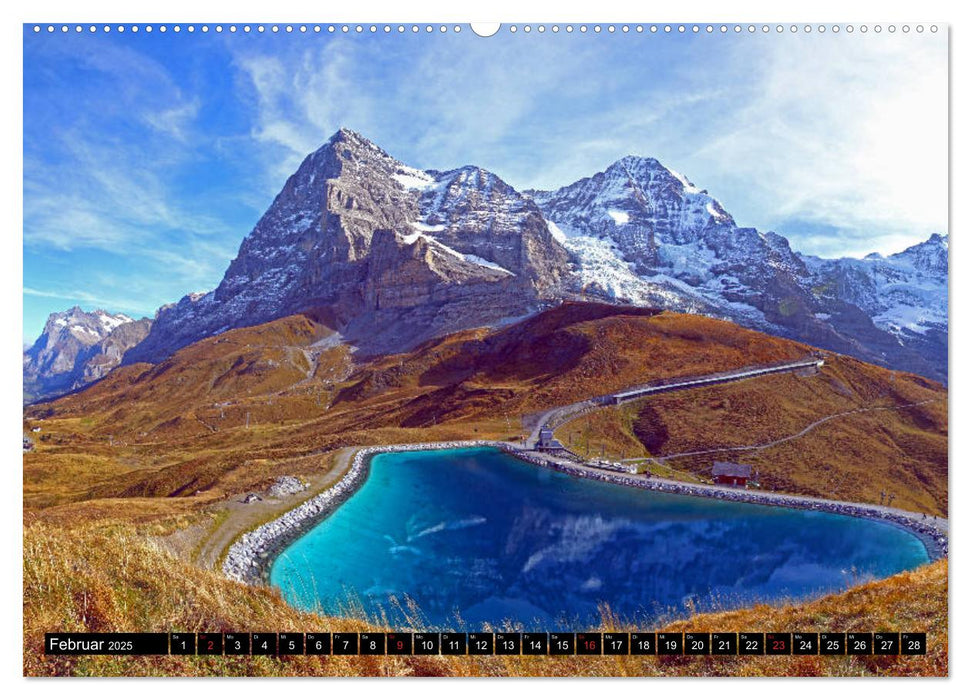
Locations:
454 539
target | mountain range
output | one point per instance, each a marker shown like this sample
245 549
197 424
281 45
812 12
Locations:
76 348
393 256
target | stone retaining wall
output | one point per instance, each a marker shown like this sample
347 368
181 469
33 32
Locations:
935 540
249 558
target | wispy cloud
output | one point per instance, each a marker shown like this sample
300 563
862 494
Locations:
839 132
79 296
147 160
302 96
802 134
99 194
174 121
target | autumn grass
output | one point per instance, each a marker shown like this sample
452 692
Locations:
109 577
876 444
133 476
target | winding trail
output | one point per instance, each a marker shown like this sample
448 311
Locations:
794 436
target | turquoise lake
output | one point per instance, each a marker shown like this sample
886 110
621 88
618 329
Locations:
477 536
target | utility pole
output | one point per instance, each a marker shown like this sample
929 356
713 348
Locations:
247 420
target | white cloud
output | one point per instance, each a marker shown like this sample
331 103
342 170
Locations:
174 121
109 304
843 132
301 99
103 196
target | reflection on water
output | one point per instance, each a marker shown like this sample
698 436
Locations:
479 536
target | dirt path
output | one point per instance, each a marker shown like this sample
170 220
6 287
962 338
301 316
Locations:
238 517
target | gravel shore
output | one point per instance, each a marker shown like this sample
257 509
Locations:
250 557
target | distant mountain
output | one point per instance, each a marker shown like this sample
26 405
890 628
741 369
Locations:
392 256
641 233
76 348
904 294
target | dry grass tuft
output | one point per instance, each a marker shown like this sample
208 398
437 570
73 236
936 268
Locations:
104 577
129 475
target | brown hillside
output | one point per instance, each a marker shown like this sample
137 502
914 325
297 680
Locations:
880 432
133 479
180 427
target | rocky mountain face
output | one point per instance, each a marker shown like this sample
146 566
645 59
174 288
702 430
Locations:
392 256
904 294
77 348
643 234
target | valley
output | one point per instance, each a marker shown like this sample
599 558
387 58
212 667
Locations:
378 304
167 452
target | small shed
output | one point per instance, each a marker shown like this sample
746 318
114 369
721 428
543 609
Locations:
731 474
546 440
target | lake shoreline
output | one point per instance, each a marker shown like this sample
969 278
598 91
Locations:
251 556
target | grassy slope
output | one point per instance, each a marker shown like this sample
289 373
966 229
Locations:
853 457
111 576
168 443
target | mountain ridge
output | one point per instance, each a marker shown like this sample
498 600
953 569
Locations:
76 348
395 255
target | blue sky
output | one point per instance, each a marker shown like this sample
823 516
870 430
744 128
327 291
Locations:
148 157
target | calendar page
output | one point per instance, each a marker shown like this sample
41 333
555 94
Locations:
517 349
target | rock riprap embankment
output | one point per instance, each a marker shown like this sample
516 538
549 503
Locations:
249 557
285 486
932 535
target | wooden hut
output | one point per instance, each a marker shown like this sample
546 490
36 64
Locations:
731 474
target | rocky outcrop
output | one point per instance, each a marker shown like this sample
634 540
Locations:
394 255
903 295
644 234
285 486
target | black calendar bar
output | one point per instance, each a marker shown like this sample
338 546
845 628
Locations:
237 643
455 643
289 644
428 643
210 643
400 643
697 643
